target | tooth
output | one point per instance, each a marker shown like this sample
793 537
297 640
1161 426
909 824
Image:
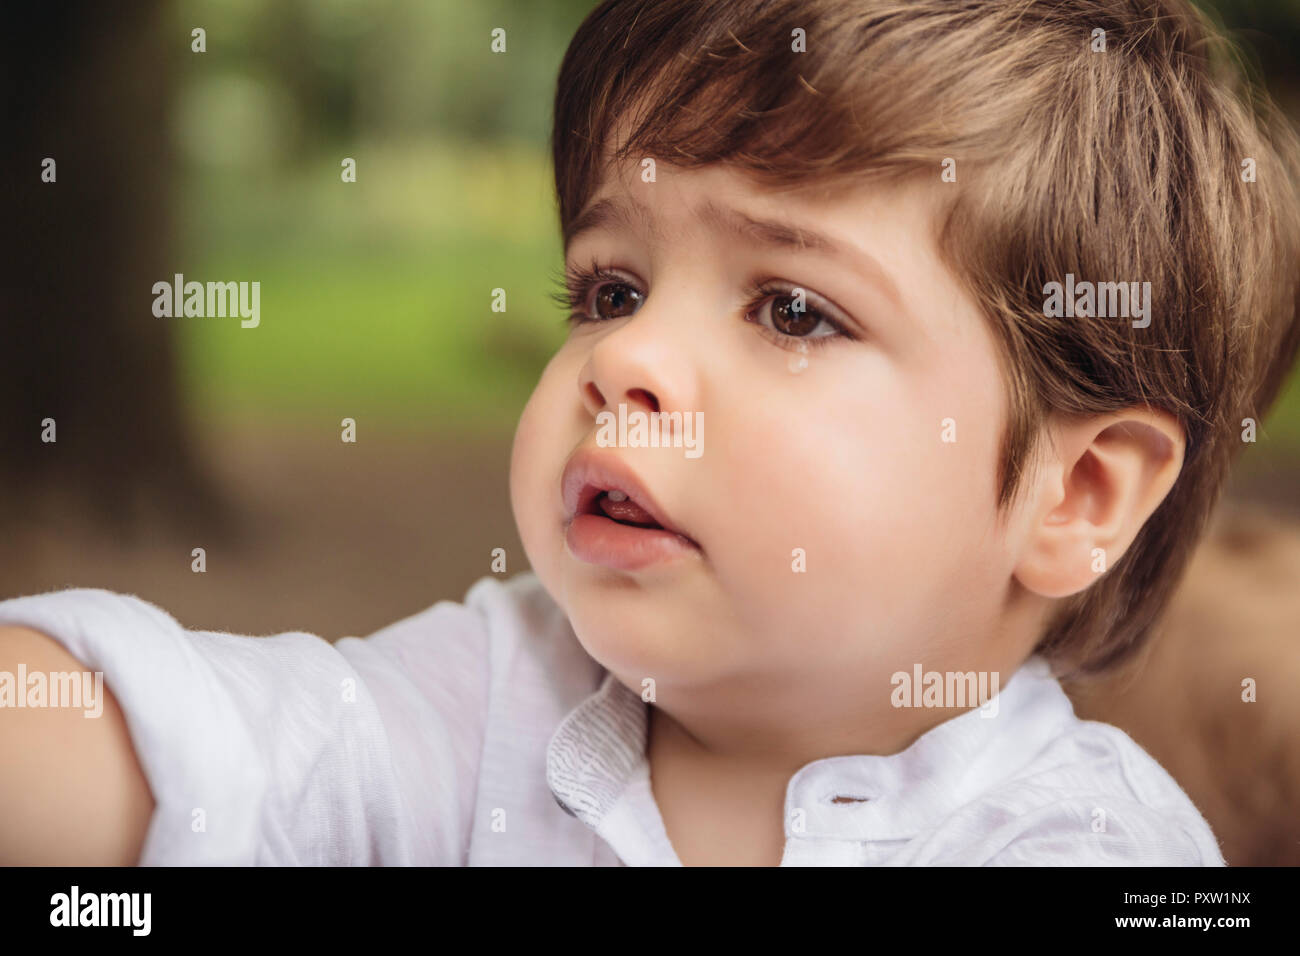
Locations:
615 496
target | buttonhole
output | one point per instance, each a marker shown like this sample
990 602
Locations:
846 799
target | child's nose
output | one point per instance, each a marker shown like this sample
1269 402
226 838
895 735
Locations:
637 399
642 372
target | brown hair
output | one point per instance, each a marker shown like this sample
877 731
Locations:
1117 165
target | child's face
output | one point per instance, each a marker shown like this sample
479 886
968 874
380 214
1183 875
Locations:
837 450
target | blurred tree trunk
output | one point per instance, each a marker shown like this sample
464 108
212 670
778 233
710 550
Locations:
90 86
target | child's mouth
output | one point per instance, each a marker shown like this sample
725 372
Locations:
611 521
624 510
616 541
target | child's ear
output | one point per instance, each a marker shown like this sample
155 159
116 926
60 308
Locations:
1101 479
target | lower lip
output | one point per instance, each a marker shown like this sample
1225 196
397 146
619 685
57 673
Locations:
596 539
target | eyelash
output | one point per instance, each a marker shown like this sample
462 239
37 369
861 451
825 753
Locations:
574 287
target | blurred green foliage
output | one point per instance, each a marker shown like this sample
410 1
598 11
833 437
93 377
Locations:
375 295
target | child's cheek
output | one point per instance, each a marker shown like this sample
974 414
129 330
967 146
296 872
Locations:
536 459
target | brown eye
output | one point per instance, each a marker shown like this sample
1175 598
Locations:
616 299
789 321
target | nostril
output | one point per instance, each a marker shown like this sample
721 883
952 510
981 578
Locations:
646 398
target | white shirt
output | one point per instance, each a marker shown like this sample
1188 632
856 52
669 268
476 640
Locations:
461 735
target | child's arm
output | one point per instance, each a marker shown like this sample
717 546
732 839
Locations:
220 749
72 791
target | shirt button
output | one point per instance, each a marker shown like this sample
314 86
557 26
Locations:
564 806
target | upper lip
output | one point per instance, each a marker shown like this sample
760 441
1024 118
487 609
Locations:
589 473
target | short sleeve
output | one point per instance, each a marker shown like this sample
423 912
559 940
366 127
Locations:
286 749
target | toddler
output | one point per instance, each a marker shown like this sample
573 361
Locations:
827 241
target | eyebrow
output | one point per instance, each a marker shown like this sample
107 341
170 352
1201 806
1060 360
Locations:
606 213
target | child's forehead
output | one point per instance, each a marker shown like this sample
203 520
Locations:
644 194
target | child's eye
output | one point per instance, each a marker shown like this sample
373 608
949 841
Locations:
792 320
613 299
615 296
791 324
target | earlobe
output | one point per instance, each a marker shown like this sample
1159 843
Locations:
1102 478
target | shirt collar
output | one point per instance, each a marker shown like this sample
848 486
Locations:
595 751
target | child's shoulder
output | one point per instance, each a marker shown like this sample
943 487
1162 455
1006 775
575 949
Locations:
504 669
1081 792
507 630
517 612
